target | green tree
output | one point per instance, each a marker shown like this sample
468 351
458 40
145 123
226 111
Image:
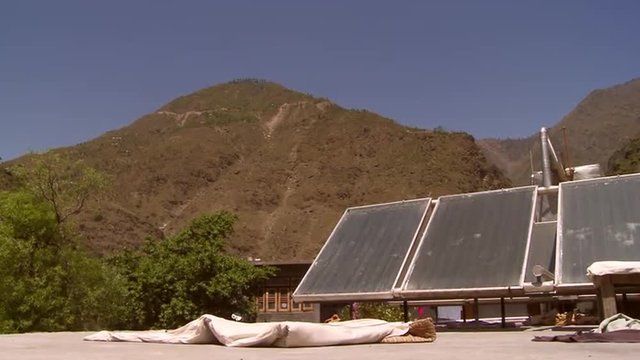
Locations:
625 160
66 184
177 279
46 284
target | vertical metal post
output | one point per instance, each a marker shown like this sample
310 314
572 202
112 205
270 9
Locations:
545 200
476 309
464 312
405 307
502 313
546 163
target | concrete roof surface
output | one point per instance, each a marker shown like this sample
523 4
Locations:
449 345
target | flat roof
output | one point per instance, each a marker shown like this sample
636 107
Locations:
450 345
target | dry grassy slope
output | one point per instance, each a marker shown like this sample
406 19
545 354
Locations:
288 164
600 124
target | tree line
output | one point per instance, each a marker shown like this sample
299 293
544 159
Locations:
50 282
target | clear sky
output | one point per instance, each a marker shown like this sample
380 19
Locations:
71 70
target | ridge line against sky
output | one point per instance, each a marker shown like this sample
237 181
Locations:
72 70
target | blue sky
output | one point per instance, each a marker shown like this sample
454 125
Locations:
71 70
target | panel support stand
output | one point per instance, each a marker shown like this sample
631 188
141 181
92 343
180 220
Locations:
607 296
464 312
502 313
476 310
405 308
606 284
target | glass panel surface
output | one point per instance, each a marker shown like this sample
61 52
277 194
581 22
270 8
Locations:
365 252
599 221
476 240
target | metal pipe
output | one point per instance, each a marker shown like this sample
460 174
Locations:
540 271
557 162
548 190
552 152
489 292
346 297
546 166
503 316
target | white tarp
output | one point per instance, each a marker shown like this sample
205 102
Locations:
618 322
209 329
600 268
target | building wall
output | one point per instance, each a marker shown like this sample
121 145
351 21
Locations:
276 303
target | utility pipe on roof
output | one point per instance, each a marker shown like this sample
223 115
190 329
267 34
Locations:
557 162
548 190
546 164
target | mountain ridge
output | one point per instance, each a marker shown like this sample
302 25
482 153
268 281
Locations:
598 126
287 163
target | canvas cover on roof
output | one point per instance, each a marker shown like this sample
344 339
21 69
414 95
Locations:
599 220
365 253
474 241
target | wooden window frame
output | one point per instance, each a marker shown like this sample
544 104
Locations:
296 307
261 303
287 300
267 294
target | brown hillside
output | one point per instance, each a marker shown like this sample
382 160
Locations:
288 164
601 123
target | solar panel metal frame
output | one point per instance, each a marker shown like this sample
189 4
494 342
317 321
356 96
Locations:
567 287
494 291
547 246
363 296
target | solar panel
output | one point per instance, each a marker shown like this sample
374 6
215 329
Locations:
599 220
365 253
542 248
474 241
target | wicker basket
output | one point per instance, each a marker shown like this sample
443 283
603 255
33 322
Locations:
421 330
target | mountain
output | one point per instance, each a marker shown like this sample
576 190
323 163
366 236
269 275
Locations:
625 160
599 125
287 163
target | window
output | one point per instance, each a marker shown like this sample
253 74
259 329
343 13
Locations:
260 303
277 297
270 294
296 306
283 299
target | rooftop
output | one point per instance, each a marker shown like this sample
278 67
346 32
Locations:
449 345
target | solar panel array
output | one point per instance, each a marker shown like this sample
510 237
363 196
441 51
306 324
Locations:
365 253
599 220
475 241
